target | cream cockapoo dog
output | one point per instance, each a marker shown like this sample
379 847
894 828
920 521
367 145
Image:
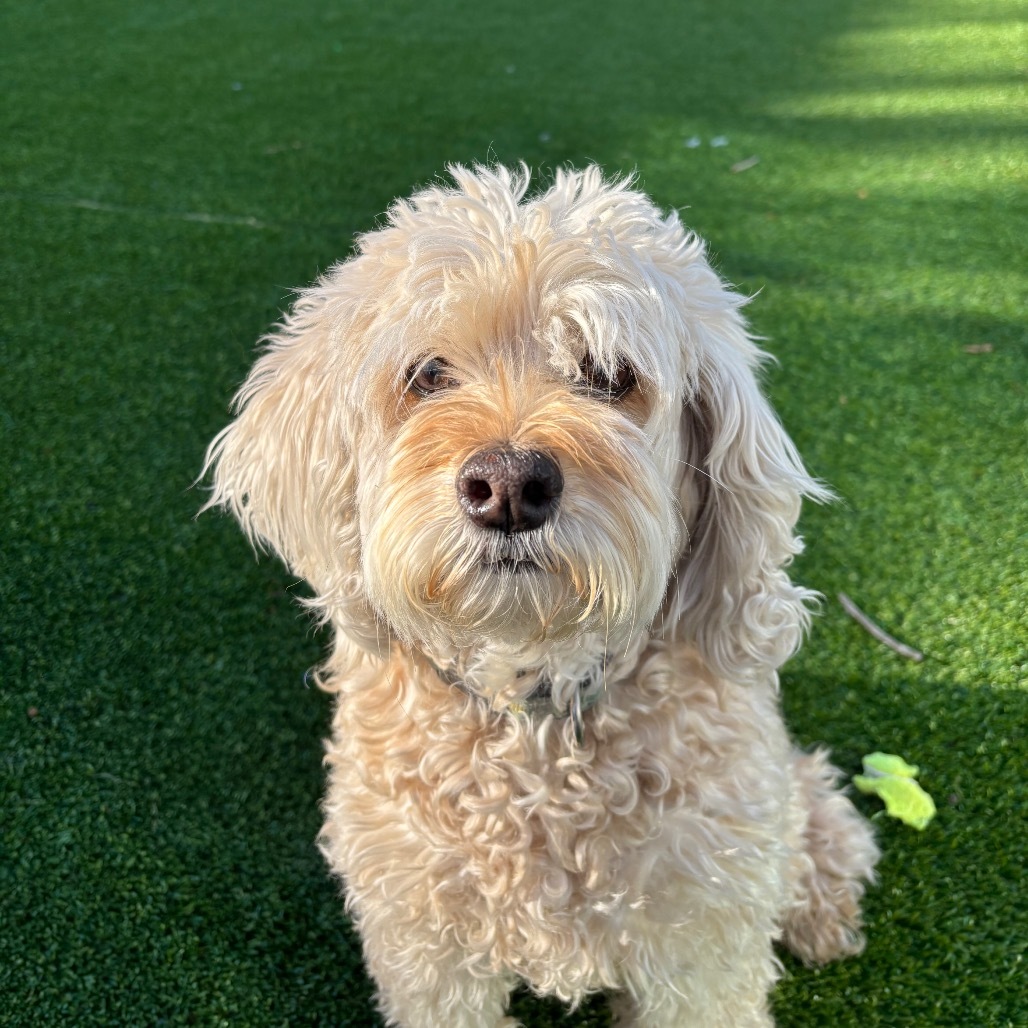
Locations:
517 447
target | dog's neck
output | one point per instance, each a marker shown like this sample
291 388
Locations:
563 679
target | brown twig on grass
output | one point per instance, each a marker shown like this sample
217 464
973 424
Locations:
879 633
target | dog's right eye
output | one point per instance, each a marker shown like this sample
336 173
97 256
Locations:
612 386
431 377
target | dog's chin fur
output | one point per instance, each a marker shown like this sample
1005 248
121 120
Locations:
659 844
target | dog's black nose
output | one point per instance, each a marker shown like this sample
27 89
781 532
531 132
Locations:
509 490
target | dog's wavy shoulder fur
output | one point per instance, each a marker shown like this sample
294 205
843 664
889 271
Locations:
518 447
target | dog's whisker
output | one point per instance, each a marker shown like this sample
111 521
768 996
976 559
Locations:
406 712
705 473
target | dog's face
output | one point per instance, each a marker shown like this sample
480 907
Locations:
513 503
519 483
530 424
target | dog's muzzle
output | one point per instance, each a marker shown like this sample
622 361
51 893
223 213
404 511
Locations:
509 490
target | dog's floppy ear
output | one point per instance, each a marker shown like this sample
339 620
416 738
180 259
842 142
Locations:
283 467
741 492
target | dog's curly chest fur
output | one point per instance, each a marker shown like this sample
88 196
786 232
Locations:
514 836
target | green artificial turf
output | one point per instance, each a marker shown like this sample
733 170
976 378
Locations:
168 172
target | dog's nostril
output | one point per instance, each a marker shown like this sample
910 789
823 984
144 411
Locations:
477 490
535 493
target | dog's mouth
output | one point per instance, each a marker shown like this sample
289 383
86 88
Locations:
511 566
518 557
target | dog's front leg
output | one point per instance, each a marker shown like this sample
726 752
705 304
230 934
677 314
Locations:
424 982
713 970
688 1003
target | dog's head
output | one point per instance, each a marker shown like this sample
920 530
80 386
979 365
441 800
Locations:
531 423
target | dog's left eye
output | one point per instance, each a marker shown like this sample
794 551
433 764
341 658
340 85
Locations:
612 386
431 377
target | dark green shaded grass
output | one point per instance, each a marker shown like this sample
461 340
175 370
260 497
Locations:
169 174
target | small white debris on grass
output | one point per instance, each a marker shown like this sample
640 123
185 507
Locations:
745 165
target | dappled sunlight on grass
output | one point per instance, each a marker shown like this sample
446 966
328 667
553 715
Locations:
901 101
970 49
